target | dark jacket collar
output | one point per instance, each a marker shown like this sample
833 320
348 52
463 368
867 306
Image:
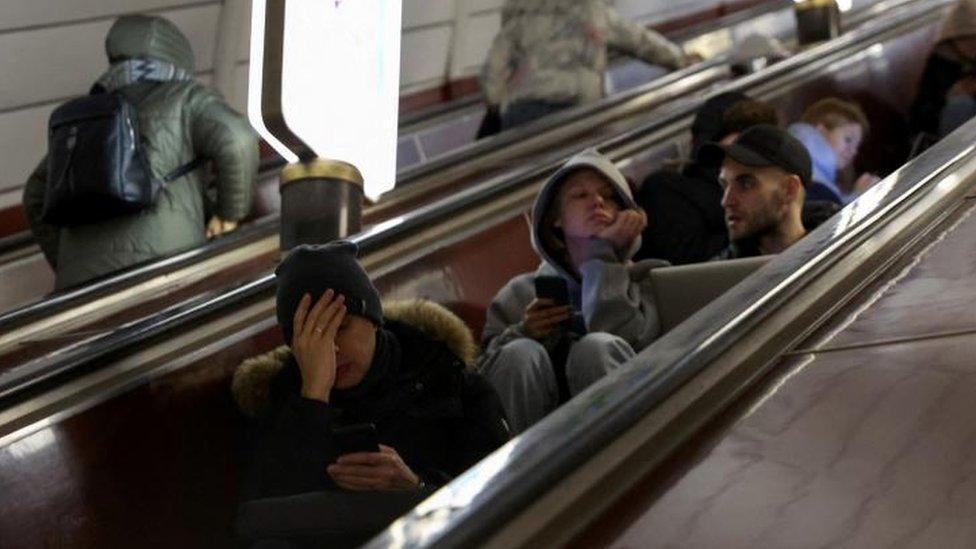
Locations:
407 367
739 249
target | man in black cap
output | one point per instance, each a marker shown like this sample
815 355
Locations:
403 373
685 221
764 176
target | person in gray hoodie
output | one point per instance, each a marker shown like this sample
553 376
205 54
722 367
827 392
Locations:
538 352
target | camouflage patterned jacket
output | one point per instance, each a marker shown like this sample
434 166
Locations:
556 50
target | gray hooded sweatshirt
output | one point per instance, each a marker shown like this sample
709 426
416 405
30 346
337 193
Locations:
613 295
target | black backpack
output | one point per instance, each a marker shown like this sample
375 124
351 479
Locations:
97 169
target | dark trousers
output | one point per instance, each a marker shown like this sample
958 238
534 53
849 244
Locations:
334 519
522 112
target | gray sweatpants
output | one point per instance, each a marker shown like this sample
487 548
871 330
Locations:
523 375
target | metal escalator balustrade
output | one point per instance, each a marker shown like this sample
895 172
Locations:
183 372
542 488
438 179
427 183
107 344
445 126
523 182
861 434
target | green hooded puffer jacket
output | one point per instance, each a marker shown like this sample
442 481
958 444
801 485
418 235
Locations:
179 121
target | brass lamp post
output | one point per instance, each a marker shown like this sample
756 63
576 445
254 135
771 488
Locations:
323 79
816 21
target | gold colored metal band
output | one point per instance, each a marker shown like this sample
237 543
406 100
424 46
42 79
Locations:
813 4
321 168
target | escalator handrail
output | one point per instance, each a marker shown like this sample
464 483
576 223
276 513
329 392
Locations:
62 301
477 504
561 118
16 241
416 120
29 374
549 123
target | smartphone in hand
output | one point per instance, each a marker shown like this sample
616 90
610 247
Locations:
552 287
351 439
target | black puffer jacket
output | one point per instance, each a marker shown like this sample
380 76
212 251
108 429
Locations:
440 417
685 219
940 74
953 57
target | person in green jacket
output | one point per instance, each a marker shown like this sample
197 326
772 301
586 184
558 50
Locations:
180 119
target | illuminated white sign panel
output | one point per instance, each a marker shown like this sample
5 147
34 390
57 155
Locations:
340 82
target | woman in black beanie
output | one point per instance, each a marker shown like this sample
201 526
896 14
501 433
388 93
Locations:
349 365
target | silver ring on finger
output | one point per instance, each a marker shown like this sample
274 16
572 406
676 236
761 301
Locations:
318 330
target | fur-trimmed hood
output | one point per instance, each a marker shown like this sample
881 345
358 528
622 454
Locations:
251 385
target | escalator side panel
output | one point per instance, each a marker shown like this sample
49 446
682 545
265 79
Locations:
860 438
179 429
23 279
158 463
466 276
868 448
943 282
154 467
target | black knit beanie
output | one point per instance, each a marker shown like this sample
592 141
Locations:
313 269
709 124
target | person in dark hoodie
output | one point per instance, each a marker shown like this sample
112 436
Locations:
539 352
404 369
946 95
686 223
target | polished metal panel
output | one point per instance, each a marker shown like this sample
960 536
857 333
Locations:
864 446
388 232
397 200
933 296
479 501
